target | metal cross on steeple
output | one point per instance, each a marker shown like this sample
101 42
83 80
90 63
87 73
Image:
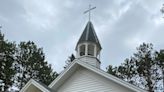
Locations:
89 11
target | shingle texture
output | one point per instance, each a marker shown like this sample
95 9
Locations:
89 35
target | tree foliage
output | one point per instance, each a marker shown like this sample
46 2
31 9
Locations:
32 64
146 67
143 69
7 71
21 62
160 65
112 70
69 60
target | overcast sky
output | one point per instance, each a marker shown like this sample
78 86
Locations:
56 25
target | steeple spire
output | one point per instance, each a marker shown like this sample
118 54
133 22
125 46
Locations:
88 47
89 35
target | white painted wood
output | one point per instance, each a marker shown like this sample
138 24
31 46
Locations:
90 60
83 80
33 86
95 50
86 48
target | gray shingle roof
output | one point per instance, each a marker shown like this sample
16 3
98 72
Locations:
89 35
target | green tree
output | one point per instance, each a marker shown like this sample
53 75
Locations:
7 71
127 70
160 63
31 64
141 69
112 70
145 65
69 60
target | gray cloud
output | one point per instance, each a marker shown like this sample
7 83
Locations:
57 25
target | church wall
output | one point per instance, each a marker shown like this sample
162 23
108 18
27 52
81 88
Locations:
32 88
84 80
90 60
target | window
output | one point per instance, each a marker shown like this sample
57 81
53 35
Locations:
91 50
82 50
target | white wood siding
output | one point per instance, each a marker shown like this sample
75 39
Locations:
90 60
32 88
84 80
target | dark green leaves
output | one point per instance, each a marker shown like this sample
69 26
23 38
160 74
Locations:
144 69
32 64
19 63
7 59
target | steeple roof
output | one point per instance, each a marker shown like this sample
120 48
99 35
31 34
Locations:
89 35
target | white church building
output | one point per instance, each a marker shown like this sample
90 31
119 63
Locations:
84 73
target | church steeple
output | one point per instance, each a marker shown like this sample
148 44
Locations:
89 35
88 45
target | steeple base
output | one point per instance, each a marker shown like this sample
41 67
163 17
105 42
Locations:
90 60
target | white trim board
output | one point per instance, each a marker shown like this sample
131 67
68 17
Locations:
36 84
77 63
